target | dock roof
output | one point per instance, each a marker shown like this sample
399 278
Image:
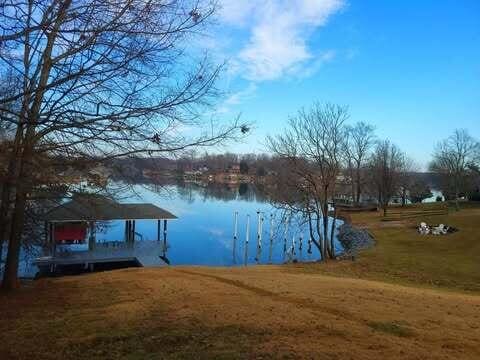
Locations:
101 208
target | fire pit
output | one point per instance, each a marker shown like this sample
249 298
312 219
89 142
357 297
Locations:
441 229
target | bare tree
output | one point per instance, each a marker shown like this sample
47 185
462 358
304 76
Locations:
406 179
312 150
101 79
453 158
386 166
361 138
419 191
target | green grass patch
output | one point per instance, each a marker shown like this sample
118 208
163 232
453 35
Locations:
391 328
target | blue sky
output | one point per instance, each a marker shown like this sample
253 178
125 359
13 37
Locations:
410 68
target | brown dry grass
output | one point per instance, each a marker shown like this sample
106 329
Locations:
259 312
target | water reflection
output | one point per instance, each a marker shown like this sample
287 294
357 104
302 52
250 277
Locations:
204 232
197 191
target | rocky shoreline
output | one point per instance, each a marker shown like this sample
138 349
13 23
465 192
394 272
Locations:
353 239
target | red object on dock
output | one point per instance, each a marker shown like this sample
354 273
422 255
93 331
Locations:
70 233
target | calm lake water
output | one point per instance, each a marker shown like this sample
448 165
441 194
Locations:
203 232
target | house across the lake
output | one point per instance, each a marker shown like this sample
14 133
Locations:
71 235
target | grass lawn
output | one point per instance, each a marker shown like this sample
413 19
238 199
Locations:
401 255
287 312
234 313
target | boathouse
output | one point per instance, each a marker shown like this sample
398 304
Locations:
74 225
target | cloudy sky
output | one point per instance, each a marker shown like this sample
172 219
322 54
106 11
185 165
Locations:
411 68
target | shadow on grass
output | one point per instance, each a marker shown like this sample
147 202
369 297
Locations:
391 328
183 342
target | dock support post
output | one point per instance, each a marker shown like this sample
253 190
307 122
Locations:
235 225
285 238
259 236
158 230
52 246
50 238
164 237
271 240
247 236
293 246
91 239
54 242
46 237
133 231
130 233
300 247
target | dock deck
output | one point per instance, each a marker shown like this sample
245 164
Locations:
140 253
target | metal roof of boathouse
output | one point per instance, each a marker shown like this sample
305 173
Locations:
94 207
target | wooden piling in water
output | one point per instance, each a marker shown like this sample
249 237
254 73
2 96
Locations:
235 226
293 245
247 236
52 245
300 247
164 237
259 236
285 238
271 240
91 239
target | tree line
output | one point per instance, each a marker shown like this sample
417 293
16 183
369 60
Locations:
327 160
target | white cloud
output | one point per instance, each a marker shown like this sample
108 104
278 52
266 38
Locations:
237 98
314 65
278 34
236 12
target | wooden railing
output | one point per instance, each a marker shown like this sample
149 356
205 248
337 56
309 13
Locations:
396 214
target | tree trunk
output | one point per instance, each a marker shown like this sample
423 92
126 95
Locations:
23 160
310 228
5 219
332 231
359 187
328 251
10 276
352 181
404 196
457 203
8 185
325 224
354 195
4 216
321 238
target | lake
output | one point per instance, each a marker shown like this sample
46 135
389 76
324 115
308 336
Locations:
203 232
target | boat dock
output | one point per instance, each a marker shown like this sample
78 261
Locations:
71 236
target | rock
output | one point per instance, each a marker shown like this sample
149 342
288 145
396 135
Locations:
353 239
